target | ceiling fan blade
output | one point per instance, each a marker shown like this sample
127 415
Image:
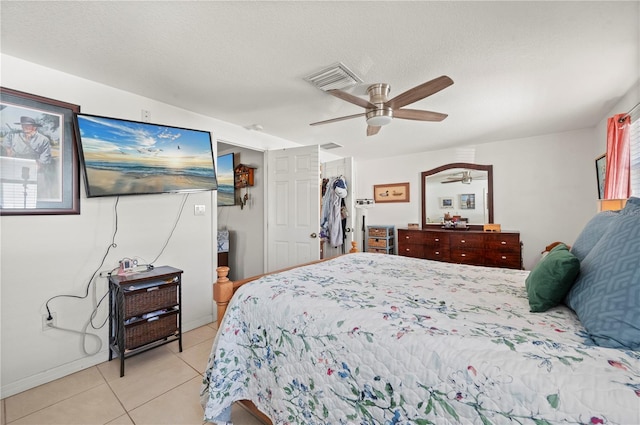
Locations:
415 114
451 181
373 129
351 98
419 92
338 119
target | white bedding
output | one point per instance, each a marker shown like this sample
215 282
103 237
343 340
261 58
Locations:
382 339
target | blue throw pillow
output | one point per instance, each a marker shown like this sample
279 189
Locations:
606 294
592 232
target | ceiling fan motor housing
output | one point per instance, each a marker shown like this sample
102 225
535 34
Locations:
378 93
381 115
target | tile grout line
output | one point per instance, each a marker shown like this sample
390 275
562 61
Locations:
116 396
4 411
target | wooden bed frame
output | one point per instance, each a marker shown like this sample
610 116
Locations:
223 290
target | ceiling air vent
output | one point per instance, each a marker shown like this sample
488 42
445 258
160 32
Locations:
331 145
337 76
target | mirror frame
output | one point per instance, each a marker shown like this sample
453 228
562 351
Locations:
487 168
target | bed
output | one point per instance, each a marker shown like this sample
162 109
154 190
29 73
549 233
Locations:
381 339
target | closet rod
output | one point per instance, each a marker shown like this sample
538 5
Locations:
632 110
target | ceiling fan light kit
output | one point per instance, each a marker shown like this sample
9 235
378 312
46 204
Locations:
379 117
380 111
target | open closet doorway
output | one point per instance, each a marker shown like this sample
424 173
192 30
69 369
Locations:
241 220
332 172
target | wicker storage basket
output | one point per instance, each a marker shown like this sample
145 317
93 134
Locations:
380 232
380 242
378 250
150 299
152 329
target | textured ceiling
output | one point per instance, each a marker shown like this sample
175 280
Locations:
520 68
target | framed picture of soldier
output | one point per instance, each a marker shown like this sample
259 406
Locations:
39 172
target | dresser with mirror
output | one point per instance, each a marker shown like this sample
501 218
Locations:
460 192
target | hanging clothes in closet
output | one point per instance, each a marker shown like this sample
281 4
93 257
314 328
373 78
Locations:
333 218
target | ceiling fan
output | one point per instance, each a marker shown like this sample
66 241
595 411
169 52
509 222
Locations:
380 110
465 178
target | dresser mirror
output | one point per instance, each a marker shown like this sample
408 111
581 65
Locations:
460 190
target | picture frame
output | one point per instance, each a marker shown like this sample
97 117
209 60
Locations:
43 176
601 168
468 201
396 192
445 202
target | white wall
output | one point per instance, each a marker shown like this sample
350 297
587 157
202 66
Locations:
45 256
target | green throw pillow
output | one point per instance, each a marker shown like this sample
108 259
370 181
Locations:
551 279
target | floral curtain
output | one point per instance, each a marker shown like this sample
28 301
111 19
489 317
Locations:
617 180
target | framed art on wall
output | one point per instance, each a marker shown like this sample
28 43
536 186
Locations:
446 202
468 201
397 192
601 168
38 155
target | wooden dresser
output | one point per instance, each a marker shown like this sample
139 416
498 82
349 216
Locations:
494 249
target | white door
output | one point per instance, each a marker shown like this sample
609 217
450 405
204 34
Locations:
293 217
342 167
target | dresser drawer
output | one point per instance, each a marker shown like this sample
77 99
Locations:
431 253
411 236
466 240
509 260
436 240
410 250
503 242
467 256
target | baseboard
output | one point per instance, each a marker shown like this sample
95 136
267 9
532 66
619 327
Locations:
53 374
201 321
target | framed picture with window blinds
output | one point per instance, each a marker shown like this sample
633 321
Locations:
601 166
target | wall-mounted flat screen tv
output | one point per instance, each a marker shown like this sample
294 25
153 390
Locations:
226 185
122 157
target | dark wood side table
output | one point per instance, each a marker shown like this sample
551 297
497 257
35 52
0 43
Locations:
144 311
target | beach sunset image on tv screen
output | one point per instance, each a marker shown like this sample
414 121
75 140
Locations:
226 185
122 157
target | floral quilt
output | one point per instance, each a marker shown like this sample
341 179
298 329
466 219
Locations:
381 339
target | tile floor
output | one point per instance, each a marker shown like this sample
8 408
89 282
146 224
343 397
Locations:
160 386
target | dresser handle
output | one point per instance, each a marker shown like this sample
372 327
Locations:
406 237
503 243
437 240
504 257
463 255
462 241
437 252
